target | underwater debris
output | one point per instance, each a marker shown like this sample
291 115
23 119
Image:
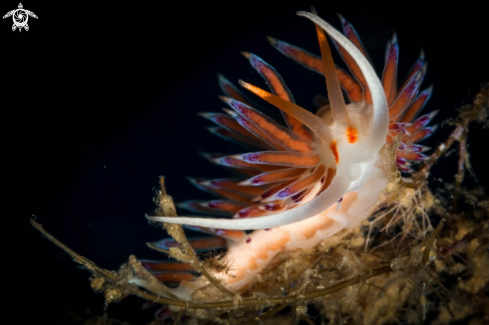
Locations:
324 275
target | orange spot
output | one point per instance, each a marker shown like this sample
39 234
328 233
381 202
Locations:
335 151
352 134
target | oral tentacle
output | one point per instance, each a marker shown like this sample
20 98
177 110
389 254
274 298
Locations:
335 95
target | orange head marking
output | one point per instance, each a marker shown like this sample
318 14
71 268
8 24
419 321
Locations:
351 134
335 151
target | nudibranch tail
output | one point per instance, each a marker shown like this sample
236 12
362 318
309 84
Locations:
327 154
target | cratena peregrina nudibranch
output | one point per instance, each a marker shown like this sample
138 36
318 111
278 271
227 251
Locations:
319 174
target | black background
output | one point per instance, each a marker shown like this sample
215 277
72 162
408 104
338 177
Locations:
98 100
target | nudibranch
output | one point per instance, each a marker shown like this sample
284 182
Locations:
317 175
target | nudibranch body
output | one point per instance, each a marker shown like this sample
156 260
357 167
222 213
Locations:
319 174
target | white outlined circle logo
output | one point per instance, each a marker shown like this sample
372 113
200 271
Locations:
20 16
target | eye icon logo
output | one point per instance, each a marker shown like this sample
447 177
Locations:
20 17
